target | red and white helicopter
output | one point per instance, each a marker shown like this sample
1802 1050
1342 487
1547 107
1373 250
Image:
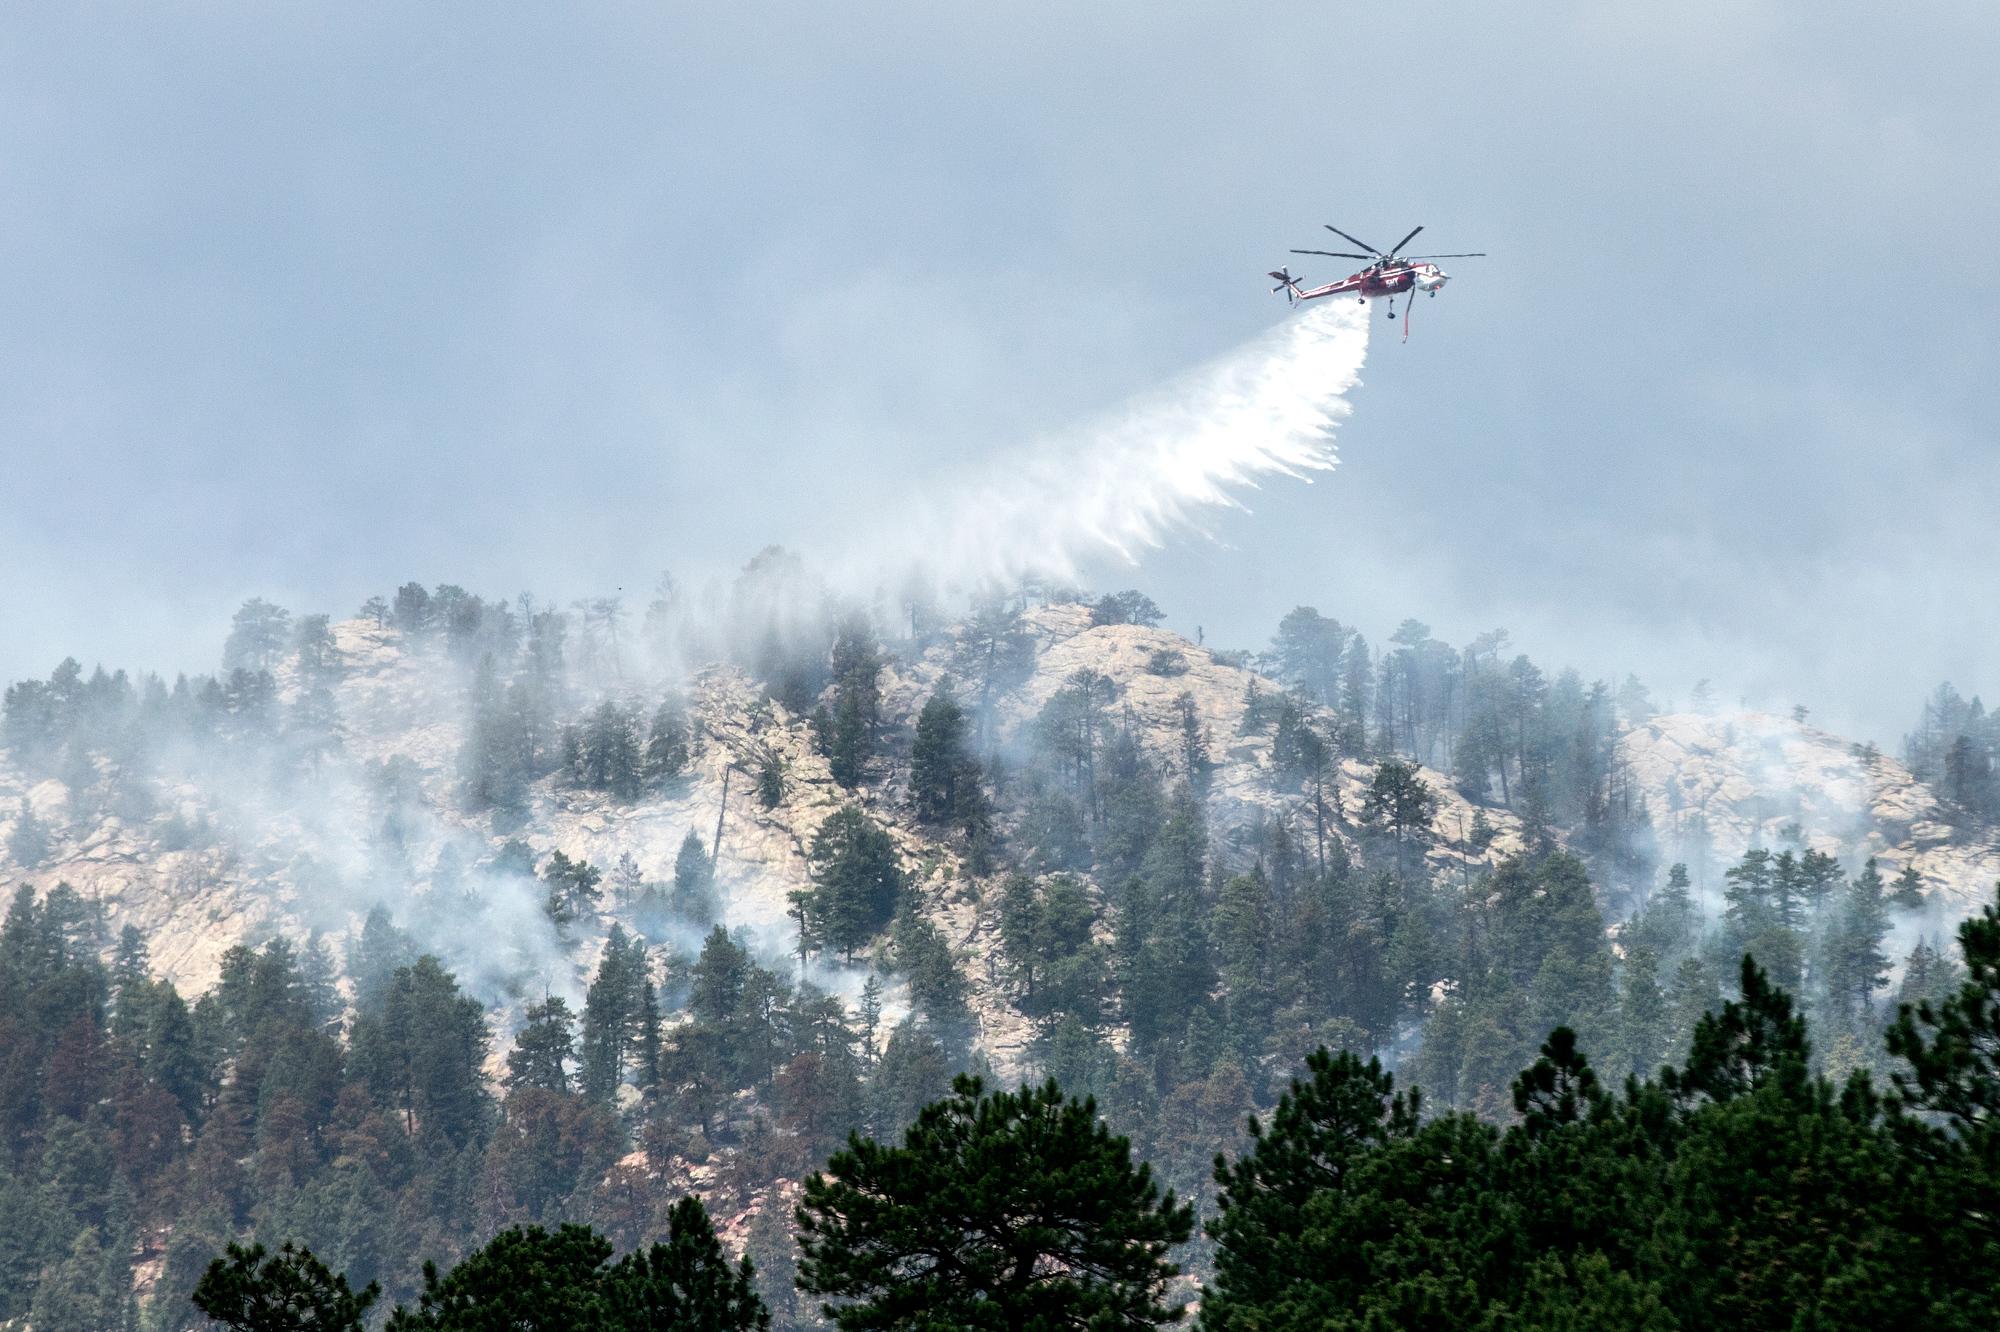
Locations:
1391 274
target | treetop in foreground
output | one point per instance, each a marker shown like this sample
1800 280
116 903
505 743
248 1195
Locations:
1015 1210
282 1292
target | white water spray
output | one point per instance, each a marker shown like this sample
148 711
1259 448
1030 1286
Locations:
1122 483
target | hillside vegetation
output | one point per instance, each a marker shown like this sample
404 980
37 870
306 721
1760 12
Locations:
463 915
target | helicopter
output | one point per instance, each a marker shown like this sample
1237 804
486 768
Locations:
1390 273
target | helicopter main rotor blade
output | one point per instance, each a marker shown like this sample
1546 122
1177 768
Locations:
1405 241
1335 254
1476 254
1372 251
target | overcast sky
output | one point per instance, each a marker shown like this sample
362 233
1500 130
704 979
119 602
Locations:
305 301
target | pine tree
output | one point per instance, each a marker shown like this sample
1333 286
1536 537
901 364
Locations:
1399 799
1307 654
1643 1016
668 748
1128 607
944 775
82 1292
768 1244
857 882
544 1049
871 1015
938 756
1255 709
610 1007
1195 764
1000 1209
693 895
257 636
1952 1047
289 1291
1855 967
421 1052
771 784
572 888
1321 1129
607 756
847 730
494 767
525 1277
1242 927
1747 1043
685 1284
28 843
937 990
645 1036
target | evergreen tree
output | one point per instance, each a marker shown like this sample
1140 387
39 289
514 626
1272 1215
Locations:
1243 928
645 1035
1128 607
668 743
1304 1157
82 1292
1952 1047
257 636
685 1284
525 1278
28 843
937 990
768 1245
608 755
421 1051
289 1291
495 765
993 649
944 775
1908 893
572 888
1195 764
857 882
610 1013
847 729
412 610
1399 799
544 1049
771 783
1643 1017
1307 654
1000 1209
693 895
1855 967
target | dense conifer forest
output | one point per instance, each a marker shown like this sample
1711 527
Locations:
1290 1071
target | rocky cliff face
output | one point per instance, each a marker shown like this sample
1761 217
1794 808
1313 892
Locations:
1717 784
1713 784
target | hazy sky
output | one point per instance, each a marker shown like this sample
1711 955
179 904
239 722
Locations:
305 301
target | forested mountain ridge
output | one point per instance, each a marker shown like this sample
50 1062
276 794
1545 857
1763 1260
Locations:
1047 837
1712 783
219 863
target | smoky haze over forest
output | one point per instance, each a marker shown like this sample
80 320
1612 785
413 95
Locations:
304 310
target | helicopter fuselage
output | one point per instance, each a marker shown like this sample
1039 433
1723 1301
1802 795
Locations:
1382 280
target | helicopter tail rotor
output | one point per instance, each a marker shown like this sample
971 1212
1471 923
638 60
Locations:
1287 284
